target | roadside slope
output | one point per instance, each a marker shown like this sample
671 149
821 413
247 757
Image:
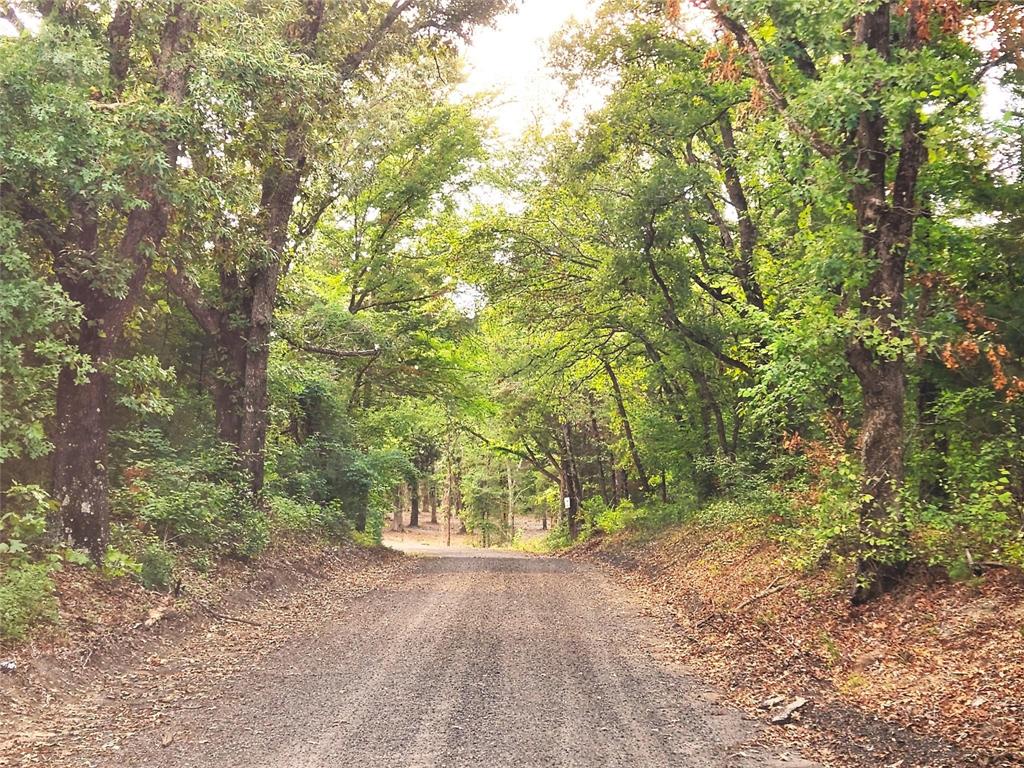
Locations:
931 675
103 675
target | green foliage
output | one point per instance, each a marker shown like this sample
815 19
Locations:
35 317
289 515
23 520
195 501
26 598
156 566
117 564
623 516
663 303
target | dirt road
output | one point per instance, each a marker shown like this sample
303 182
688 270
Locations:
464 660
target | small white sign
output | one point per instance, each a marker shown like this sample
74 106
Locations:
567 502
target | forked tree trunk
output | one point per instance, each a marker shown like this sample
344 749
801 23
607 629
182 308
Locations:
883 198
80 482
627 428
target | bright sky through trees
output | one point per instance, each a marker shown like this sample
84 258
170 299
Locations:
510 61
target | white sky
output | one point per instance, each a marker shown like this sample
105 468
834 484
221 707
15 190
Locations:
509 60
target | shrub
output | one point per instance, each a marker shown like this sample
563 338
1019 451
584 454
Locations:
333 521
26 598
287 514
156 566
24 524
332 475
199 502
118 563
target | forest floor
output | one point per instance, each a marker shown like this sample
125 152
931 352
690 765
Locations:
460 657
931 675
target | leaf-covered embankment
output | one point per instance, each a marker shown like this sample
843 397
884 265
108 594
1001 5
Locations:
930 675
121 657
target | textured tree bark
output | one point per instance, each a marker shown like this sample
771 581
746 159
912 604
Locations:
80 449
886 211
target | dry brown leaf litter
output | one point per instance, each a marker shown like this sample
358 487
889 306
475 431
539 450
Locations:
102 675
942 660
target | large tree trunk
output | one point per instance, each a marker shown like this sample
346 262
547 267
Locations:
883 385
885 226
80 480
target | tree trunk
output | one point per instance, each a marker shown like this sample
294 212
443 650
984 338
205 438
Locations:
446 504
80 480
458 498
932 443
414 504
226 384
602 452
396 518
627 428
882 561
432 501
570 484
510 510
885 226
704 389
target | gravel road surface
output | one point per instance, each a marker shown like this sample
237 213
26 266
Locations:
465 660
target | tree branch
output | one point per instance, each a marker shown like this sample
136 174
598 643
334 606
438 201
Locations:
186 289
340 354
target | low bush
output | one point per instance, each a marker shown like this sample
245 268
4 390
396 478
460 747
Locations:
156 566
26 598
202 502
